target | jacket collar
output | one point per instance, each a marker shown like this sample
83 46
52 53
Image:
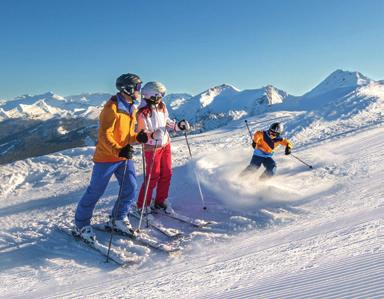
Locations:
123 106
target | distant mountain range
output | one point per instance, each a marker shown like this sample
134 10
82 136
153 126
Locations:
40 124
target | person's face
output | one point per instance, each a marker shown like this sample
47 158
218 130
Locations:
127 97
272 134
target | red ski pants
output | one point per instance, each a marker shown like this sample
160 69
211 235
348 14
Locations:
160 177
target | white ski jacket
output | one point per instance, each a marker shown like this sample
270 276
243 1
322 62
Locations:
151 118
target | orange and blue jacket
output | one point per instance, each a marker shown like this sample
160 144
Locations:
117 123
265 145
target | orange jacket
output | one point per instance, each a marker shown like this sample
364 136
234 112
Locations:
265 145
117 123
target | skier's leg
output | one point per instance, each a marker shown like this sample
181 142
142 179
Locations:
270 166
165 175
128 191
101 175
253 165
154 176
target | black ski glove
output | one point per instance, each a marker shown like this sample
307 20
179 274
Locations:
126 152
183 125
142 137
253 144
288 150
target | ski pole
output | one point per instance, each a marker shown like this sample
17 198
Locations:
117 206
249 130
144 172
146 182
194 170
143 158
297 158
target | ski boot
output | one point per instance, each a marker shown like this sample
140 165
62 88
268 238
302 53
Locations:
121 225
166 206
86 233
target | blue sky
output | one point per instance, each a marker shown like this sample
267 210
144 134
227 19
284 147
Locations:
75 46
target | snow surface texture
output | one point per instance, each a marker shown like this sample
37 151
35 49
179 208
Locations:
302 234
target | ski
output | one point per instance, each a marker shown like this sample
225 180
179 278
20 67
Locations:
116 257
199 223
169 232
140 238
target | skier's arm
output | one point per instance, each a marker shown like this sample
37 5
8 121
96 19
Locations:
286 143
141 123
258 137
107 126
288 146
170 124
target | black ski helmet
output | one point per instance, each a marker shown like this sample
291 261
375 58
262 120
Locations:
128 83
276 129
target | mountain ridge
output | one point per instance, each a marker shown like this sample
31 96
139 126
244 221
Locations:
341 95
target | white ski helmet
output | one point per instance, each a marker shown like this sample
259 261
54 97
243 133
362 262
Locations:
154 89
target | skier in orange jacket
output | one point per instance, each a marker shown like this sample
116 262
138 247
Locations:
113 155
264 143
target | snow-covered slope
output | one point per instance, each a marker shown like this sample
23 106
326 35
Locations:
302 234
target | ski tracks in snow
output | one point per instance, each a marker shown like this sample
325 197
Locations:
315 224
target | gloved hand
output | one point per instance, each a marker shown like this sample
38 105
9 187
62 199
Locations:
158 134
183 125
126 152
288 150
142 137
253 144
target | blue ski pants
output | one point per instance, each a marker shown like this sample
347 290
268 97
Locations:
101 174
268 162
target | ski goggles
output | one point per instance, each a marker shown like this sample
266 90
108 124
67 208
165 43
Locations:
156 98
137 87
273 133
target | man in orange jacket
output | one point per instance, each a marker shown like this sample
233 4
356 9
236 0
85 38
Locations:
264 143
113 155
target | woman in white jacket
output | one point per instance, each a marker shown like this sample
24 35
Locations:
153 118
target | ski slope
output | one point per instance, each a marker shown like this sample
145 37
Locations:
302 234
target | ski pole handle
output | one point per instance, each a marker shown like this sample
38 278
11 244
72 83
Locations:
297 158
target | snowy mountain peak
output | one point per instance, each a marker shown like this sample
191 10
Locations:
223 88
40 109
3 114
176 100
274 95
206 97
46 95
339 79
